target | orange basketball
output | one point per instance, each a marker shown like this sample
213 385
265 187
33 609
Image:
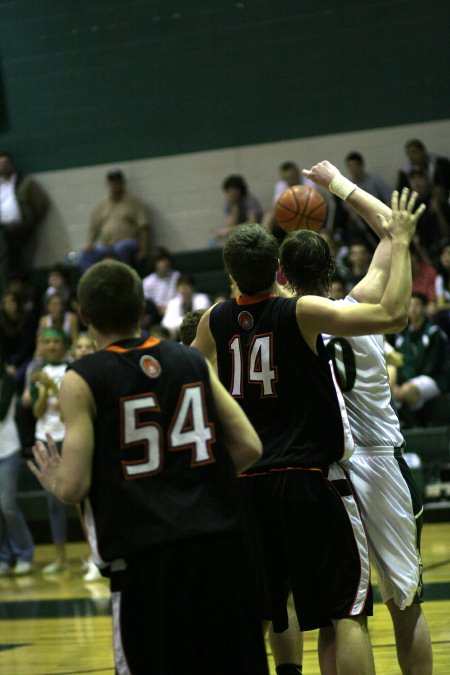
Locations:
300 207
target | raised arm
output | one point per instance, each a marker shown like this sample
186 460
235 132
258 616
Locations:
242 441
371 288
68 476
318 315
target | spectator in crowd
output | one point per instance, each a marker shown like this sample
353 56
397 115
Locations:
59 317
434 224
185 301
16 542
423 275
423 345
44 396
369 182
23 205
437 168
119 226
240 207
350 222
359 257
17 337
442 286
161 285
59 282
337 288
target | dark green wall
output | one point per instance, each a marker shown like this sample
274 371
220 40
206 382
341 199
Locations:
96 81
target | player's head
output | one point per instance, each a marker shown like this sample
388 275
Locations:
307 263
250 256
188 327
110 297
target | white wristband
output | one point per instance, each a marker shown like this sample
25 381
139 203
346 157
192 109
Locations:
341 187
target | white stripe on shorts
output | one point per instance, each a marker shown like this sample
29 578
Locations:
335 472
120 659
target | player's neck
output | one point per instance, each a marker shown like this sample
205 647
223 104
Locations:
272 290
105 339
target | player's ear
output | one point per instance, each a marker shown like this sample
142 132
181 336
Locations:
83 318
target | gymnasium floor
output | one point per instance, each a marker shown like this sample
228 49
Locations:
61 625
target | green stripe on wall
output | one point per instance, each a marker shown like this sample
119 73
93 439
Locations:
101 81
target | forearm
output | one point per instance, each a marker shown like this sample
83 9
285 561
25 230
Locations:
368 207
397 293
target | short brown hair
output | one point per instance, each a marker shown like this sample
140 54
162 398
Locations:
250 256
111 296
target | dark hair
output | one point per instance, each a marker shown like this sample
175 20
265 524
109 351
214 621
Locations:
9 155
307 262
111 296
62 270
188 327
187 279
162 253
420 296
355 157
415 143
115 175
250 256
288 166
235 181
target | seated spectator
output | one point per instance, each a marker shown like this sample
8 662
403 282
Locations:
23 206
17 337
442 286
423 275
16 542
59 282
436 168
240 207
358 260
423 346
119 227
161 285
185 301
59 317
351 225
337 288
434 224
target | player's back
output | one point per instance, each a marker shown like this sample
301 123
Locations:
285 388
361 372
161 471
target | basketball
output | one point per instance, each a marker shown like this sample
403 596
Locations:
300 207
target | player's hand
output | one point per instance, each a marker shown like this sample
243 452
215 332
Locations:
322 173
46 463
401 226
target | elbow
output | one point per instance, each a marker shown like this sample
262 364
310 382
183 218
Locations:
72 493
397 322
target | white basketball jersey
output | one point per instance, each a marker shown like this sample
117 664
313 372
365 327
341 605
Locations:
360 369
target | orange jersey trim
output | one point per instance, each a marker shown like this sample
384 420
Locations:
252 299
282 469
150 342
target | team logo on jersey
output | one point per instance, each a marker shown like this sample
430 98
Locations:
150 366
245 320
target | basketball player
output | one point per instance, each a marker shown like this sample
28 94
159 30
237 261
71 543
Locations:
271 356
152 445
390 501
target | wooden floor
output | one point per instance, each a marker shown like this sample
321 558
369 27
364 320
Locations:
61 625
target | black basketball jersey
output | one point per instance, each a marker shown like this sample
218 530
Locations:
161 472
286 390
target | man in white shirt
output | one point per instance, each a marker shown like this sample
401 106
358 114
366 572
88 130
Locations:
185 301
161 285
